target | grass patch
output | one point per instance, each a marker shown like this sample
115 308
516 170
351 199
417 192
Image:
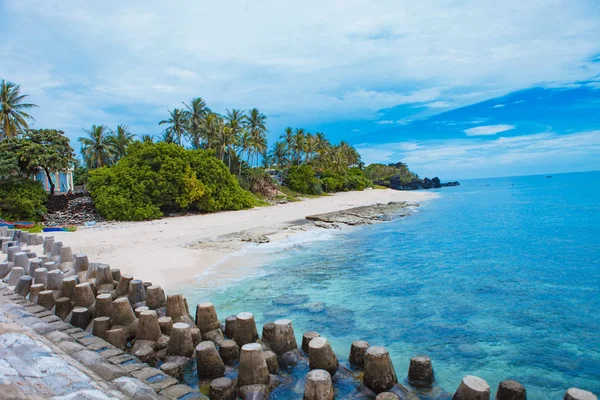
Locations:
36 229
379 187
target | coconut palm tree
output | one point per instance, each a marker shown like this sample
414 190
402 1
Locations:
13 118
176 128
147 138
120 141
256 124
209 129
310 144
298 144
194 115
96 148
235 120
279 154
244 147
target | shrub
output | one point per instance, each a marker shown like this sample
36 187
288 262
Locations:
22 199
223 189
302 179
259 182
357 180
158 177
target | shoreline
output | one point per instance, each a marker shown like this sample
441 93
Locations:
174 251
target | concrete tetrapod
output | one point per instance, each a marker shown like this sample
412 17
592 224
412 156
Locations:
34 292
177 310
306 338
180 342
229 352
472 388
122 288
148 327
46 299
379 371
23 285
245 329
208 361
321 356
155 297
63 307
253 368
100 326
222 389
578 394
318 385
358 350
206 317
511 390
283 338
420 372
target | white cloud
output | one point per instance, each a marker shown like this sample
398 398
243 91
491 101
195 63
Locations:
473 158
499 106
308 61
439 104
385 122
488 130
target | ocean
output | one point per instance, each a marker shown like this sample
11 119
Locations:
498 278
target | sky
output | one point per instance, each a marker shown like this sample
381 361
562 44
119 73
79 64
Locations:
454 88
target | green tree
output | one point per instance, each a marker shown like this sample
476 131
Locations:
147 138
13 118
244 147
48 149
120 141
279 154
176 128
96 148
257 126
194 115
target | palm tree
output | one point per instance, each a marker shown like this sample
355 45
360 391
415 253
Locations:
177 125
244 146
226 140
298 144
13 118
120 141
256 123
147 138
209 129
310 143
279 154
96 148
194 115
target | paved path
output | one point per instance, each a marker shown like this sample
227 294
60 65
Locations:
41 357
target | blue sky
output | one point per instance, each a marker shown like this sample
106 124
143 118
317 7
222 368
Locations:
455 88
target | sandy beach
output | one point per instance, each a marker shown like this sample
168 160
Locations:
172 251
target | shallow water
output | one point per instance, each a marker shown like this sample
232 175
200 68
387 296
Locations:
498 278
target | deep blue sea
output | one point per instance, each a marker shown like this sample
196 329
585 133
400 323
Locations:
498 278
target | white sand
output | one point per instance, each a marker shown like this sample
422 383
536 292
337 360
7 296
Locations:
158 251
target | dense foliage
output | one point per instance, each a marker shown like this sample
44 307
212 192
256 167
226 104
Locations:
382 174
103 147
302 179
47 149
157 178
22 199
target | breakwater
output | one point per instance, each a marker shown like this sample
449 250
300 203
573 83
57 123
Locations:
230 358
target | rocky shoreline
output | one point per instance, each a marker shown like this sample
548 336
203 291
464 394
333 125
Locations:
357 216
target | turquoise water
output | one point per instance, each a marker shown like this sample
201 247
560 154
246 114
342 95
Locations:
498 278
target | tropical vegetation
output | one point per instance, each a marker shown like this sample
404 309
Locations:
202 161
156 178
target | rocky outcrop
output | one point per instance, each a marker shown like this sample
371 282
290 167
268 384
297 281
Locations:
366 215
416 184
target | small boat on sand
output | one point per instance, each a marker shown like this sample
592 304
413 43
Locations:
67 228
24 224
9 225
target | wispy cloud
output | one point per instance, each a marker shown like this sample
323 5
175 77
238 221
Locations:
486 130
499 106
467 158
312 61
